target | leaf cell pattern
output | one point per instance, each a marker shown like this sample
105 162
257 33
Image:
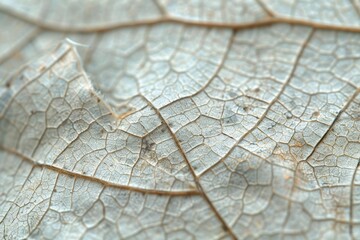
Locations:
180 119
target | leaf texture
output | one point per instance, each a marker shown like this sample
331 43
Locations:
179 119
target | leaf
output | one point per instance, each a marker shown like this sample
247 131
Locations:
179 120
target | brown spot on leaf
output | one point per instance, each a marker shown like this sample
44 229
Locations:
316 114
42 68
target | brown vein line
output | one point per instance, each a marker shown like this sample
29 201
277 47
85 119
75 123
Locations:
316 146
222 62
235 26
321 140
35 227
333 123
160 7
19 191
265 8
352 201
196 179
62 54
307 40
356 6
98 180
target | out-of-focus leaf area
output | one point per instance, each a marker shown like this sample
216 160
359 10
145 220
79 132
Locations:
162 119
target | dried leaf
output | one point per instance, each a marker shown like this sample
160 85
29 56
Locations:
179 119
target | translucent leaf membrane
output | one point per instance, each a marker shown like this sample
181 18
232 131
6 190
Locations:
179 120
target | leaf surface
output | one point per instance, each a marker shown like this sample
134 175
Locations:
179 120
